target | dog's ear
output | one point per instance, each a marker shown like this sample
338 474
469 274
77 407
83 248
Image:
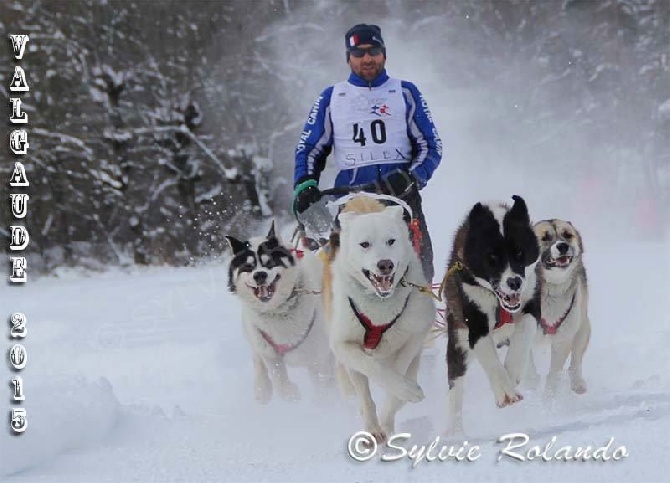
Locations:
273 232
236 246
345 218
396 211
517 219
477 212
580 240
519 211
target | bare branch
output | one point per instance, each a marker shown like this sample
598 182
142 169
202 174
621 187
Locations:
64 138
229 173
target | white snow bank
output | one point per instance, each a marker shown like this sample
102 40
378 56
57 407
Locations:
63 414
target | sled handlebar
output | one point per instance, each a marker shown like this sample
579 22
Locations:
345 190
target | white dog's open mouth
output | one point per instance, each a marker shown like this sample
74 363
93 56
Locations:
560 262
264 293
509 302
383 284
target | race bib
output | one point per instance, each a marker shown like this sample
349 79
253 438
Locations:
369 125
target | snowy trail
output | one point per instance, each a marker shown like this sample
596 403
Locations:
145 376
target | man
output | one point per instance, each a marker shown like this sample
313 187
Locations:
380 130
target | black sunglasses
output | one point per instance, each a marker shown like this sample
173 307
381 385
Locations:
371 51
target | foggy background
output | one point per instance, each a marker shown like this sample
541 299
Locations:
156 128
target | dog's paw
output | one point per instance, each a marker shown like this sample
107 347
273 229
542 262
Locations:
578 385
508 399
263 392
552 386
388 421
378 433
289 391
388 428
503 391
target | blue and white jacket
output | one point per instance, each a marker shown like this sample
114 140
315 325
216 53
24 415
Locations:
379 127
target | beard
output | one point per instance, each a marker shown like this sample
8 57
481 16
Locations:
369 71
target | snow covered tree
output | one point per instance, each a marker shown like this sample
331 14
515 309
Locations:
158 127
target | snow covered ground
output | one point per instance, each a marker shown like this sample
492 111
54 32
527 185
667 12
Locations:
144 375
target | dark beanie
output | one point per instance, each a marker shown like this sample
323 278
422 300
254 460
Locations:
364 34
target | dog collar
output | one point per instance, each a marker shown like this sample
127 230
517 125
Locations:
282 349
374 333
551 329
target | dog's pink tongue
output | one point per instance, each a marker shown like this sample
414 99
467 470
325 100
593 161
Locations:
263 291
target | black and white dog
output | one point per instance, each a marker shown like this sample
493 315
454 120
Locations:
282 313
492 288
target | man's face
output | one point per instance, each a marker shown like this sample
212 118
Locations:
368 66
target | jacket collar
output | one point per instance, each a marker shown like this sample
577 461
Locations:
376 82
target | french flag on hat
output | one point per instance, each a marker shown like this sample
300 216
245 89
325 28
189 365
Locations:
363 34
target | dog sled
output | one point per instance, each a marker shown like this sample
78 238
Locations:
317 222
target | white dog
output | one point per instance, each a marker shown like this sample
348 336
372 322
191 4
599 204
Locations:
282 313
379 323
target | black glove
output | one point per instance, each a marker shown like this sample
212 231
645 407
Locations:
398 183
306 194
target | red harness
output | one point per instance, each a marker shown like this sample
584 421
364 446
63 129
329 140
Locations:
374 333
282 349
417 236
504 317
551 329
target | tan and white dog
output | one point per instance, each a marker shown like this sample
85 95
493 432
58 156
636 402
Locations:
282 313
564 298
378 324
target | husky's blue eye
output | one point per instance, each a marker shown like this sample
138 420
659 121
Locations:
365 244
390 242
